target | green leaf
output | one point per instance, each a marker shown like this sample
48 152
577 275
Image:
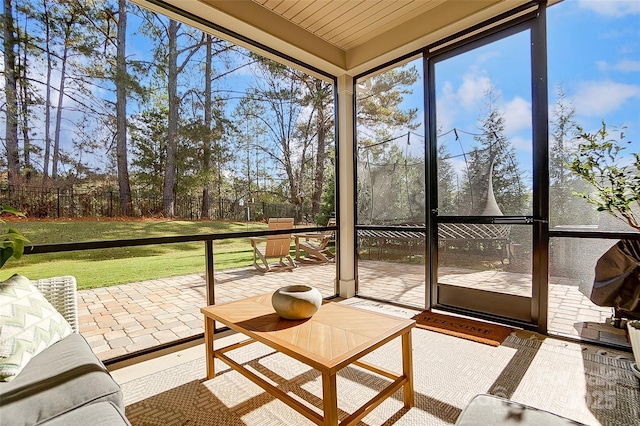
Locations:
16 235
5 254
12 242
600 162
8 209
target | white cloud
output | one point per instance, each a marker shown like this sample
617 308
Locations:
455 103
467 97
475 85
626 65
522 145
612 8
517 115
488 56
446 107
598 98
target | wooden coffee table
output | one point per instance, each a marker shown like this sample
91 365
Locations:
335 337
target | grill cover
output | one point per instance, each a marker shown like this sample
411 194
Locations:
617 277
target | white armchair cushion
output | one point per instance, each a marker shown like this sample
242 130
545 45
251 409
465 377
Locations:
28 325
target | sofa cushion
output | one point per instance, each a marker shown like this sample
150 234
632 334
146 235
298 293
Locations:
100 414
492 410
65 376
28 325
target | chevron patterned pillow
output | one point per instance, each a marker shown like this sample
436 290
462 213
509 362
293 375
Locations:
28 325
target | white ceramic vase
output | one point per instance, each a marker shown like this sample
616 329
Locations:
634 338
296 301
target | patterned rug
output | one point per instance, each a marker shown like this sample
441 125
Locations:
581 382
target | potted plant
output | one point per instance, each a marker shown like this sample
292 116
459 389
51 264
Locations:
634 337
11 241
616 182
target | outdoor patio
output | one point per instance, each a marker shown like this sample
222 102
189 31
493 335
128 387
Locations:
127 318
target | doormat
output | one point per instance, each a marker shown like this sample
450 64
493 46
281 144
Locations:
478 331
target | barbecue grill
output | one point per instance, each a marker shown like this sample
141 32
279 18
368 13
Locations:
617 280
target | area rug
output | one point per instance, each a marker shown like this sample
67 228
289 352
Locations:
478 331
583 383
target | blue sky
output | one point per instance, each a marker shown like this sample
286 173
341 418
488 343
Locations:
593 51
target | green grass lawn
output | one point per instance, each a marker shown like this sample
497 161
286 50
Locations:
106 267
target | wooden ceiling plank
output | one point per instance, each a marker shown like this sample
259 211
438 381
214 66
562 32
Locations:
285 7
312 9
324 7
337 15
368 23
269 4
367 15
359 10
328 8
295 8
421 30
393 20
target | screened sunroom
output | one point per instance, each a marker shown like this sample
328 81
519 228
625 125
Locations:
453 133
465 187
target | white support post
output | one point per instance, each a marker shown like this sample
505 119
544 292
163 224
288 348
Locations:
346 273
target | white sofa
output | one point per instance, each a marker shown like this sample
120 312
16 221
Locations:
66 384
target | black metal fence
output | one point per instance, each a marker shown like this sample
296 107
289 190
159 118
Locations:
37 202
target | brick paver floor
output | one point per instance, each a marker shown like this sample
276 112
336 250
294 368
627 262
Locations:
126 318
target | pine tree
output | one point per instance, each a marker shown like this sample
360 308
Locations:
121 78
494 161
447 184
390 183
564 207
10 88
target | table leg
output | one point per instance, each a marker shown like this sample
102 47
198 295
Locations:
209 327
329 399
407 369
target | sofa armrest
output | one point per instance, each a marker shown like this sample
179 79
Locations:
64 377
